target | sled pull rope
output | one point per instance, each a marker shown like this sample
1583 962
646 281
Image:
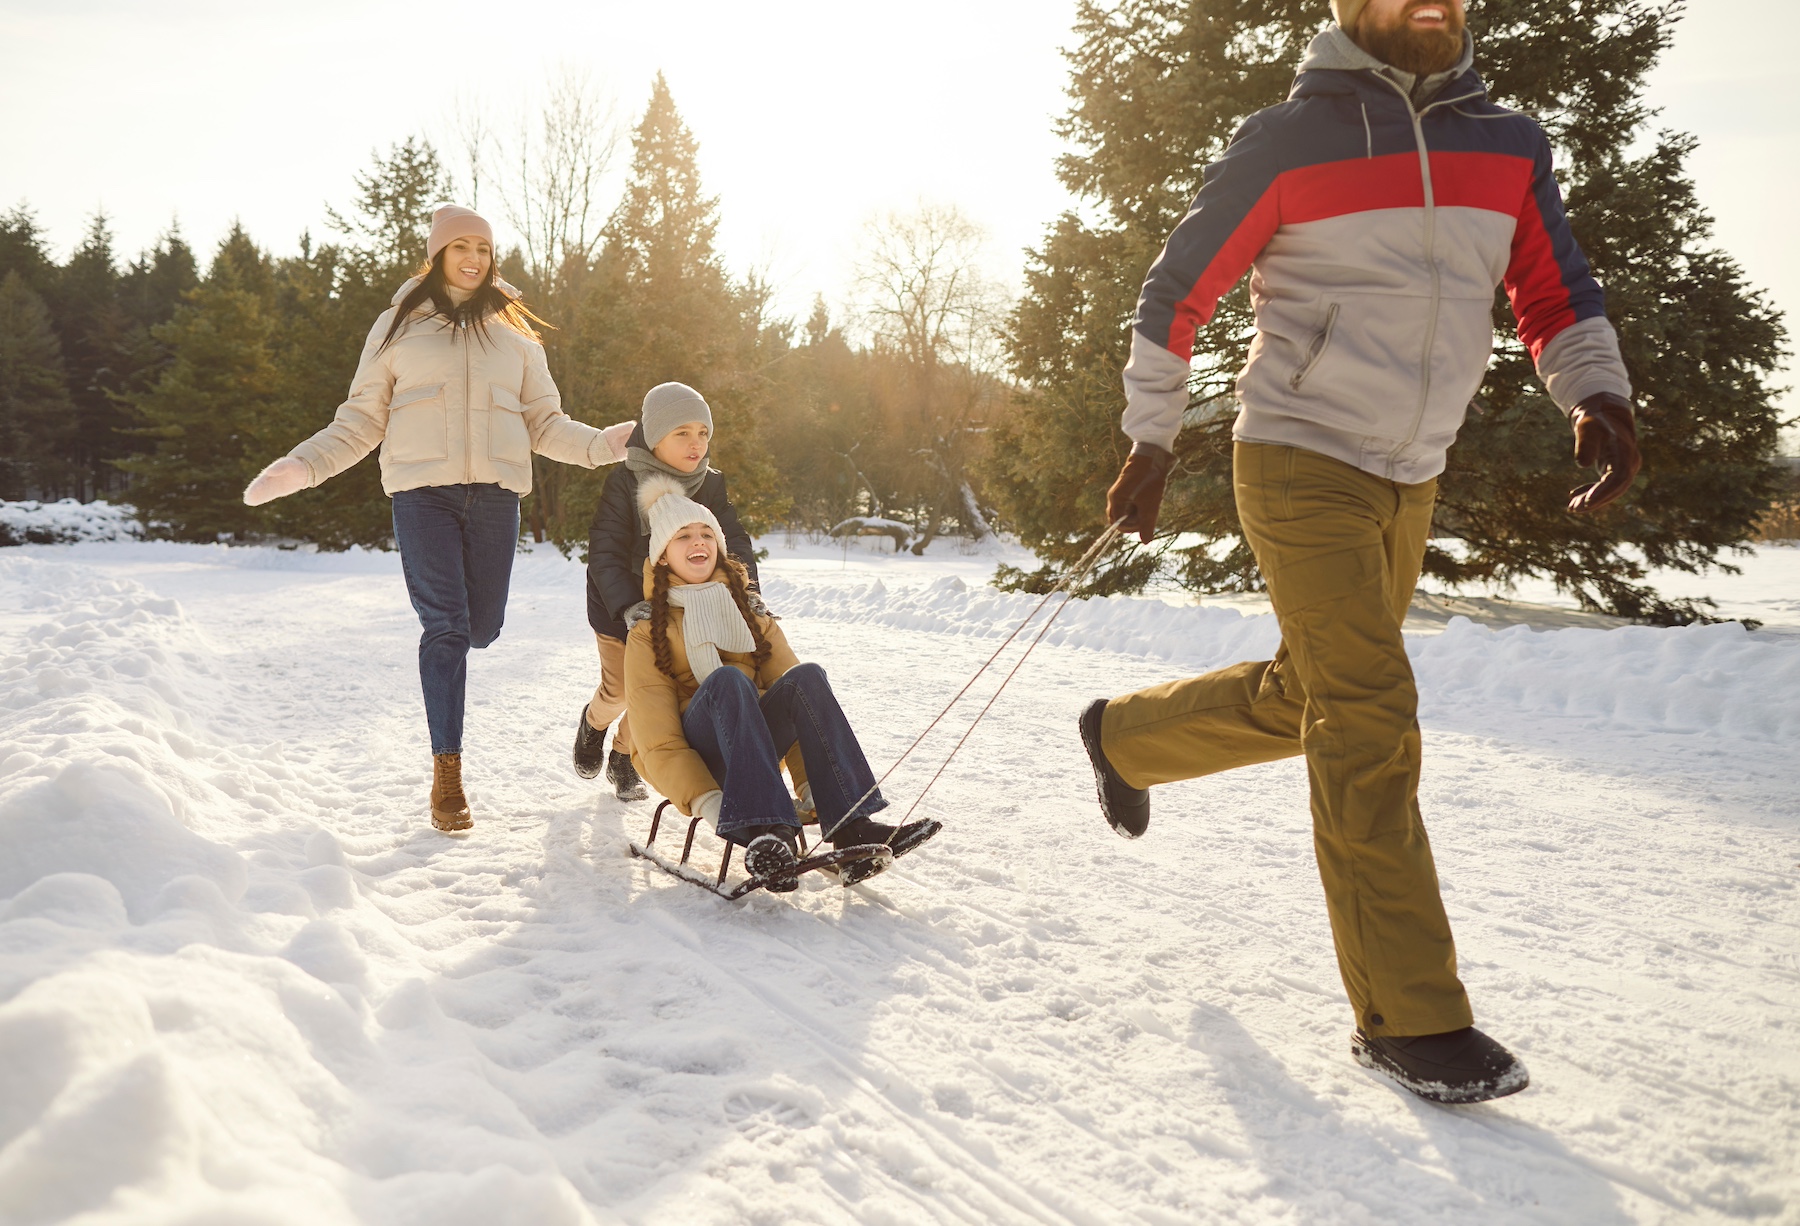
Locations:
1076 573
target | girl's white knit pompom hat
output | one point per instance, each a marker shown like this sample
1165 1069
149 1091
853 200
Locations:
667 510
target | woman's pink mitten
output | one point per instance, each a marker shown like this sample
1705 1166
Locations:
617 435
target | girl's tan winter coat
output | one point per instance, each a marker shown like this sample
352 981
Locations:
447 408
656 702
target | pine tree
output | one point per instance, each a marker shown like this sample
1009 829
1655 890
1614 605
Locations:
394 202
24 250
103 320
150 291
1699 342
207 414
155 283
825 430
37 419
95 334
326 299
659 306
1159 87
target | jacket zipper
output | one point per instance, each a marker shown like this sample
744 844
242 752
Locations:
468 413
1319 345
1418 116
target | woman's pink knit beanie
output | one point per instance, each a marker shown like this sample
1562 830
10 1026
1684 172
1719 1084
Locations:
453 222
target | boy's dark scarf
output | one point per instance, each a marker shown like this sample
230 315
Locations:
642 461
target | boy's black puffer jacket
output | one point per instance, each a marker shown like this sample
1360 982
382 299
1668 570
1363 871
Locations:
617 550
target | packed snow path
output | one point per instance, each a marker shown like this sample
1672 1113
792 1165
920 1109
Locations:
242 980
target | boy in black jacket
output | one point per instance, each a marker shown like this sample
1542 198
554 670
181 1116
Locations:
672 438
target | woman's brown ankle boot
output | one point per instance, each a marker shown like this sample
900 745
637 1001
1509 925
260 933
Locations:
449 807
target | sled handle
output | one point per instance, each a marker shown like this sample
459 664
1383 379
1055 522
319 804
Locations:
655 822
688 847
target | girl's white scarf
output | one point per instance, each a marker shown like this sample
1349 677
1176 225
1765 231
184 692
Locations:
712 624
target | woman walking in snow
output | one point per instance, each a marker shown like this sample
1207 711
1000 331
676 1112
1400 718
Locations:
454 389
717 698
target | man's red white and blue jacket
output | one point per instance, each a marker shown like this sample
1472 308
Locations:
1376 232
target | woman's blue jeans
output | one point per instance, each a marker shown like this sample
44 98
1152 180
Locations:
456 547
742 739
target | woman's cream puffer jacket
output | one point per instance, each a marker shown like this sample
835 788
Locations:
447 409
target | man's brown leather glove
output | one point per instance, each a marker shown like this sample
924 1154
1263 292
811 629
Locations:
1605 438
1137 495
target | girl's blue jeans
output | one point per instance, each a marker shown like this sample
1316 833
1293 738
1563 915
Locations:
742 738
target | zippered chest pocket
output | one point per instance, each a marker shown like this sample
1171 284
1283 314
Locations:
1316 350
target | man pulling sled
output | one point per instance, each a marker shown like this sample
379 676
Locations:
1378 208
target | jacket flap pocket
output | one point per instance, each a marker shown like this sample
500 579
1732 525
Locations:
506 398
413 395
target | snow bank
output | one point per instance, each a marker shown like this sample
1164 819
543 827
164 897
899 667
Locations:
1190 635
56 523
176 1026
1719 680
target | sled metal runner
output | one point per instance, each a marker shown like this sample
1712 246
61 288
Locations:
828 861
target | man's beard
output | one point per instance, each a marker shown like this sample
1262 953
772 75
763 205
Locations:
1420 52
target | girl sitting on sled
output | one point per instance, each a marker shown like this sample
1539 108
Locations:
717 698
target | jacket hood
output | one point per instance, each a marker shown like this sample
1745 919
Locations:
412 283
1333 51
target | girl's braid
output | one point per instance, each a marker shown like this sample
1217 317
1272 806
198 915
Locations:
659 619
738 580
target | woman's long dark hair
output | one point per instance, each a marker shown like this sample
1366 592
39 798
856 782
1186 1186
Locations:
737 578
487 302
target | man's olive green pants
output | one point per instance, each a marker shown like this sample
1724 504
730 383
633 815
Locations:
1340 550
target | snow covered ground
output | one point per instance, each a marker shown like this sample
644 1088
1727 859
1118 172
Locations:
242 981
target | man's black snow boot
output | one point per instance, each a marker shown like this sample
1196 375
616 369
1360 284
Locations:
768 852
623 776
590 747
1127 808
1460 1066
862 831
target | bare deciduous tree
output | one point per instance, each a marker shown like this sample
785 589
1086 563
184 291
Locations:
474 132
549 174
919 287
920 293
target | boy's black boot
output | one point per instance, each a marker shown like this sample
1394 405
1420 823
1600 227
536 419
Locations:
1127 808
1458 1066
624 777
768 852
590 747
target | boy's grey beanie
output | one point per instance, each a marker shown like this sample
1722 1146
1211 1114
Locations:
668 405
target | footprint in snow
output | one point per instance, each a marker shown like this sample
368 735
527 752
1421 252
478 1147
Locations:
756 1116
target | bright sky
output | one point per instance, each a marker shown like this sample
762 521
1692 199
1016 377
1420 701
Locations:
811 116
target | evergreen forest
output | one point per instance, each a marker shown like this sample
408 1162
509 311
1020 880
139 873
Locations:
934 406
